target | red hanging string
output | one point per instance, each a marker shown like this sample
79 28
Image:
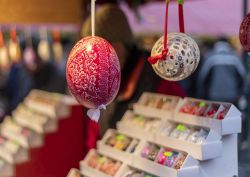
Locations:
162 56
181 18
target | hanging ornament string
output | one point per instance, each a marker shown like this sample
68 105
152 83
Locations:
162 56
93 17
94 114
181 16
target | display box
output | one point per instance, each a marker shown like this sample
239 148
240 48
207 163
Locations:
139 128
38 122
50 104
75 173
93 172
6 169
128 171
24 136
210 148
125 155
224 118
189 168
156 105
12 152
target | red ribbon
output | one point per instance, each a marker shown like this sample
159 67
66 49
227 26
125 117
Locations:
162 56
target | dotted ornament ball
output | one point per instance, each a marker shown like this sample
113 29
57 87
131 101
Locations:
181 60
245 33
93 72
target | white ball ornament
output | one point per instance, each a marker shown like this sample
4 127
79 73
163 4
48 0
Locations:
179 61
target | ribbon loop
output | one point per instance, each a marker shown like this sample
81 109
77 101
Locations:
94 114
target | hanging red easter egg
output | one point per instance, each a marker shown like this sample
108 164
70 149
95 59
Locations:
93 73
245 33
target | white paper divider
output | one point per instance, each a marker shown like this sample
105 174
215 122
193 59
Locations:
123 156
190 167
142 109
25 137
231 124
211 148
6 169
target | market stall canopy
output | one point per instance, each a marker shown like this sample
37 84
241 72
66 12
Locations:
202 17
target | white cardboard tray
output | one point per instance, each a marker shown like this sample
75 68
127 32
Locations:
11 130
85 169
190 167
141 109
6 169
231 124
123 156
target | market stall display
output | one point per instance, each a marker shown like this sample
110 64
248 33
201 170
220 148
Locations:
173 146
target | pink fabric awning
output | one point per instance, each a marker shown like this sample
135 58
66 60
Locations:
202 17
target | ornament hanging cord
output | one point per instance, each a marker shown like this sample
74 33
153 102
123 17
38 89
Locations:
162 56
93 17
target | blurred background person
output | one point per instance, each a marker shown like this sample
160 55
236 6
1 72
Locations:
222 74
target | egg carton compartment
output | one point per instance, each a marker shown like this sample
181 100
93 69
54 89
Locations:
201 143
156 105
163 161
38 122
139 126
224 118
118 145
96 164
23 136
12 152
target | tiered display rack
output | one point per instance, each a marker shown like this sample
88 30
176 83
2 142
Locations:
215 156
38 115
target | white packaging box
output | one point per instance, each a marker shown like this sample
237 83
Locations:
190 167
75 173
60 110
6 169
211 148
48 125
141 109
231 124
123 156
88 171
127 128
12 152
25 137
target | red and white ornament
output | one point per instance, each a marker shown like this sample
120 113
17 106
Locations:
93 74
181 58
245 33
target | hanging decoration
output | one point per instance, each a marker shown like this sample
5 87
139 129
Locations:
245 33
57 47
29 54
175 56
14 47
93 72
43 46
4 58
